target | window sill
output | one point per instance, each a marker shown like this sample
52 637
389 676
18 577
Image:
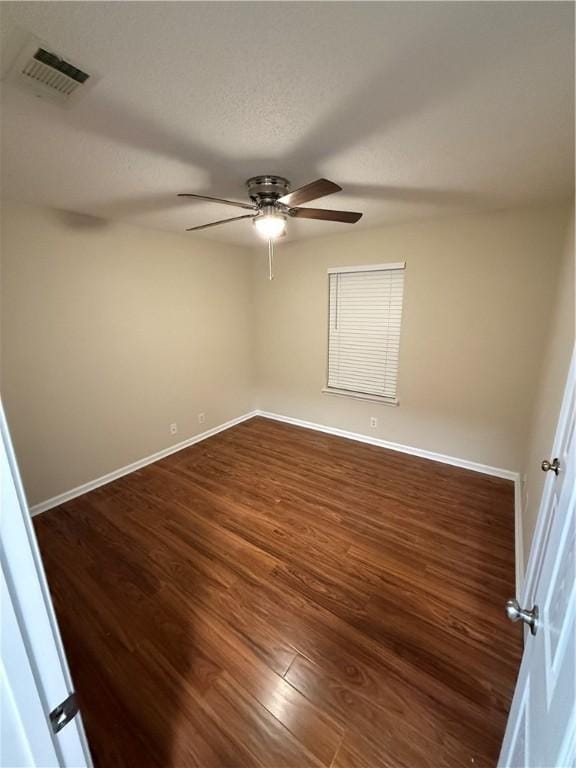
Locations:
360 396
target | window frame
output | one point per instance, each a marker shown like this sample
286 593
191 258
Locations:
326 389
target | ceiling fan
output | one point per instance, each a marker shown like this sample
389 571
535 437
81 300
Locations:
272 204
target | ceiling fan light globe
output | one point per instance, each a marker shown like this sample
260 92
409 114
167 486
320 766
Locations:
270 225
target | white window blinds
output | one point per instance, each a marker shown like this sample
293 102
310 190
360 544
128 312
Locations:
364 329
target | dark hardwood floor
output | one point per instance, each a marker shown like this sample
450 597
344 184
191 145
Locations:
277 597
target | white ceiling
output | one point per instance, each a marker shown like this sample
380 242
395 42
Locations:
416 109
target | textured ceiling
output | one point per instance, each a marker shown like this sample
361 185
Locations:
416 109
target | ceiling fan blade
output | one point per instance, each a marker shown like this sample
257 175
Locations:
312 191
347 217
248 206
222 221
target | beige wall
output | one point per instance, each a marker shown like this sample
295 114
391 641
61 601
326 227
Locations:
478 293
110 333
553 371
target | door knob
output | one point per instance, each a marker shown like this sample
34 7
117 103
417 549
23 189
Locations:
515 613
553 465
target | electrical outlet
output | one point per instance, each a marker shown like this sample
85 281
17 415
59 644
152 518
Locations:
373 422
173 429
201 418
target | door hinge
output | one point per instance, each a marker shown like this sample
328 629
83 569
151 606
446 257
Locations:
64 712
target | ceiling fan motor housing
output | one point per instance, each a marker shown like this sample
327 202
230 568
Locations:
265 190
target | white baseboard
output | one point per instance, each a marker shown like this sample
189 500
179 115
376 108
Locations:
506 474
55 501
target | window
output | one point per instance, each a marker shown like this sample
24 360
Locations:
365 313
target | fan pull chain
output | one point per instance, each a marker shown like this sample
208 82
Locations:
270 259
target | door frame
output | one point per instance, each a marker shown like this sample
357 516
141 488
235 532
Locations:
537 547
548 527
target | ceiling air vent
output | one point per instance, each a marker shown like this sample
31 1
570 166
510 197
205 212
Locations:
54 73
50 75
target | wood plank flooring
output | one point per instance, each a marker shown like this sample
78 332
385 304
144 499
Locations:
279 598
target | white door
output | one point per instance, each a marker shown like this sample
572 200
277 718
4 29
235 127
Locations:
542 722
34 677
